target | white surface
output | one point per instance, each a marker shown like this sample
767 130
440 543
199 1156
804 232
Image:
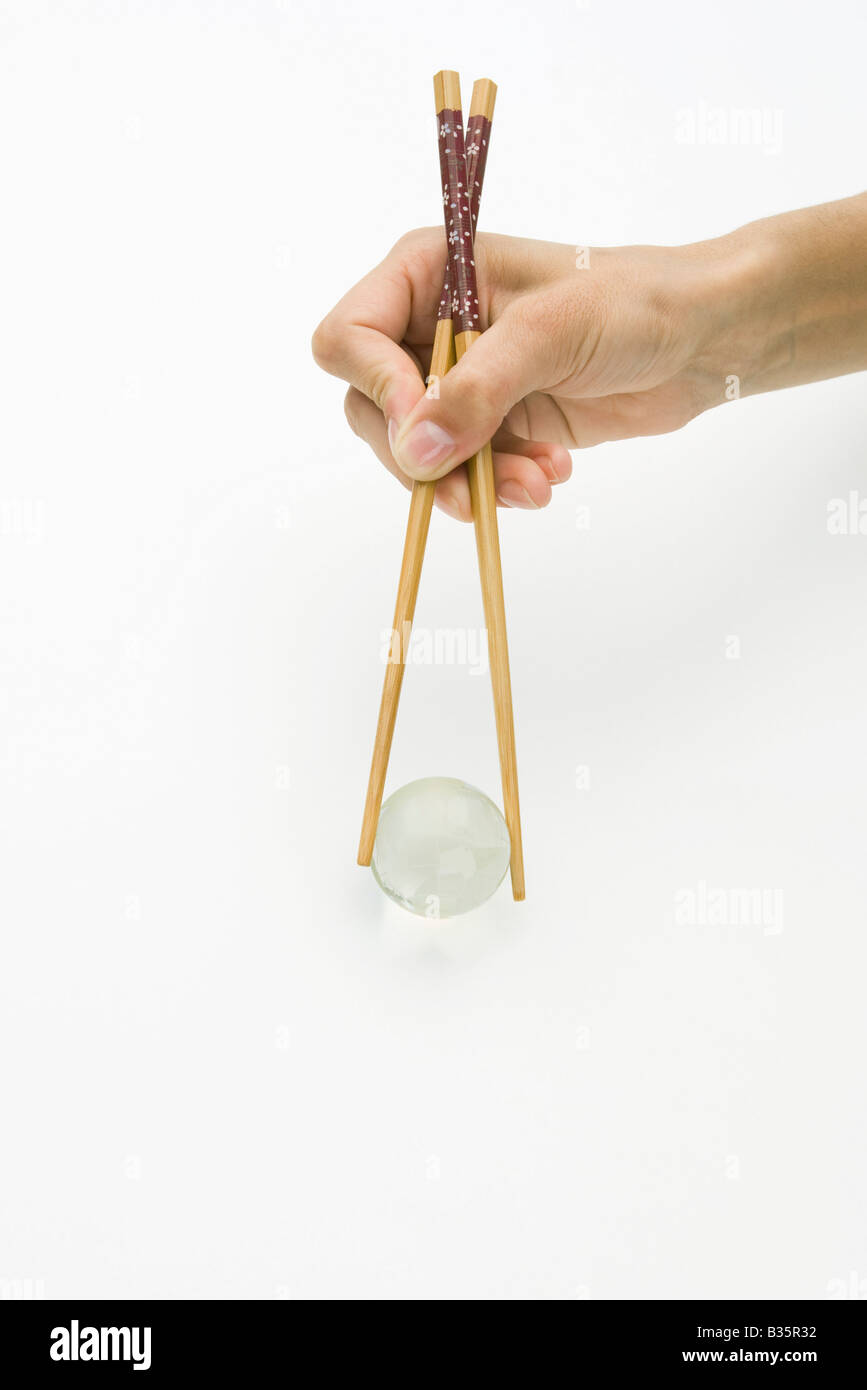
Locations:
230 1066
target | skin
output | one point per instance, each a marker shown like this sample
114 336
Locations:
638 342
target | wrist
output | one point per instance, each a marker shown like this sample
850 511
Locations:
783 301
742 320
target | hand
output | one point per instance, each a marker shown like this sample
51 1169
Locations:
638 341
572 357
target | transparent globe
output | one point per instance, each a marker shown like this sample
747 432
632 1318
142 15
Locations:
442 847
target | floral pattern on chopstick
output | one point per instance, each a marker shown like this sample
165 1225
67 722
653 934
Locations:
462 167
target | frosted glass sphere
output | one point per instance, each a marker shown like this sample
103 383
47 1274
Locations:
442 847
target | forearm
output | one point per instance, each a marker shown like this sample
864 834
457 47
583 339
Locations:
788 298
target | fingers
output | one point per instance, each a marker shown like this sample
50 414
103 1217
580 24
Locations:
365 340
452 494
359 340
519 482
554 460
524 470
512 359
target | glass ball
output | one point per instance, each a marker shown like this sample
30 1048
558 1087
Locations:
442 847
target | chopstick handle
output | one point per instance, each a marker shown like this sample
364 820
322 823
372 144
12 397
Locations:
484 500
475 141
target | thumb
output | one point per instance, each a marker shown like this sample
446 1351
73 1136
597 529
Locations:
452 422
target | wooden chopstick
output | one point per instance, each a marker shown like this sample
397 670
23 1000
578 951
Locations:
447 97
484 500
420 506
467 326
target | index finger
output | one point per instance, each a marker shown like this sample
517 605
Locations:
359 340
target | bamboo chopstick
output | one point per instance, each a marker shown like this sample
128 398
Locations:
467 328
447 96
484 500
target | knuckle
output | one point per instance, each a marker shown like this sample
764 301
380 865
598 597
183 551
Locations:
325 342
352 412
418 256
418 239
377 386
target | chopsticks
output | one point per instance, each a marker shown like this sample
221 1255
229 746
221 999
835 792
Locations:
467 328
462 168
422 498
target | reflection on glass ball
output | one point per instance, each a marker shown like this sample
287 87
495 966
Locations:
442 847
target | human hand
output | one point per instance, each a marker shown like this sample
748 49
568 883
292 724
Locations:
633 341
572 357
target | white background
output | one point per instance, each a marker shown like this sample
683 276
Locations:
230 1068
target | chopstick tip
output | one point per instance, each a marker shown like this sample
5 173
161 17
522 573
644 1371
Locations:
447 90
484 98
